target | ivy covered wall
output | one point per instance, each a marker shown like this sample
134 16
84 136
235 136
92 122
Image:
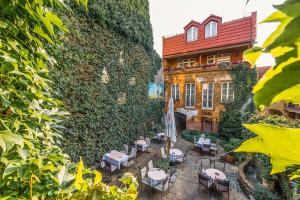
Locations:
116 35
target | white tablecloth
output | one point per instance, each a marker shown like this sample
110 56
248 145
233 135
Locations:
115 158
215 174
141 143
202 141
156 176
174 154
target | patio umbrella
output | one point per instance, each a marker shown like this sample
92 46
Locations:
170 125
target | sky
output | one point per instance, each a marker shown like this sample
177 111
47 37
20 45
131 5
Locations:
168 17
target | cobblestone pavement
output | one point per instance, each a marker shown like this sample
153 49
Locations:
186 185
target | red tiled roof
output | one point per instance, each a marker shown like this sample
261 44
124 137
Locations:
229 33
262 70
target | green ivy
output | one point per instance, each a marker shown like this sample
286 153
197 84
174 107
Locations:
98 123
236 112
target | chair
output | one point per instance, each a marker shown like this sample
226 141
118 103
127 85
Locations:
202 135
201 166
196 141
214 147
144 179
163 186
222 186
205 181
141 137
126 148
150 165
182 158
148 142
132 154
205 149
163 152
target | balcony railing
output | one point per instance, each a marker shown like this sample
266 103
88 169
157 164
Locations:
221 66
292 107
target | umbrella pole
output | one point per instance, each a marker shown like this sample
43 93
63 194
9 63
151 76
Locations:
168 145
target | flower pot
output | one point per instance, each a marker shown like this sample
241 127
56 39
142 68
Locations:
230 158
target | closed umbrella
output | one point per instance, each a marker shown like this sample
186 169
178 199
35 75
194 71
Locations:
170 125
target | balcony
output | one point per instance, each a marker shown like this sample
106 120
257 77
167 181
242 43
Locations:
290 107
206 67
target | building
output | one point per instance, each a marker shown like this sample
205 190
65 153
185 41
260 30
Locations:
192 72
288 110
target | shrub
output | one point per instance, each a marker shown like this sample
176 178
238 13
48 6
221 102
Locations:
262 193
232 144
189 135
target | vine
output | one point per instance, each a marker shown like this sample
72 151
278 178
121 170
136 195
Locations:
105 115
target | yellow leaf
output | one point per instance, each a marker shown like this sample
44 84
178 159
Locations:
132 192
281 144
98 177
79 180
253 54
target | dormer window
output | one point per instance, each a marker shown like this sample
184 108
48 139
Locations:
211 29
192 34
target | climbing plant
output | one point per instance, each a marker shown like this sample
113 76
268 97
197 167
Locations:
117 36
32 165
230 125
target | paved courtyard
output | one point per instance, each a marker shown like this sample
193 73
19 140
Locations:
186 185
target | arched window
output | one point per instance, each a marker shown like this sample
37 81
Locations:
192 34
211 29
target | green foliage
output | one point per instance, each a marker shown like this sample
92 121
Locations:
164 164
262 193
32 166
98 122
231 144
230 125
189 135
280 83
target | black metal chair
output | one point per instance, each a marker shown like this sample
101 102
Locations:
222 186
205 181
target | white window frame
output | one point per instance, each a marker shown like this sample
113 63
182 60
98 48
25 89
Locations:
176 88
190 95
218 58
186 62
227 92
209 29
212 96
192 34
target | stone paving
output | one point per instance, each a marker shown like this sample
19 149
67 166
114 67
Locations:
186 185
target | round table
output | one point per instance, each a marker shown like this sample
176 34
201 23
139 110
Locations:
156 175
141 143
215 174
174 153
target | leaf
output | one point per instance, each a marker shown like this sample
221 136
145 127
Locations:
38 30
9 139
64 176
278 83
24 153
79 180
281 144
11 168
98 177
276 16
253 54
132 192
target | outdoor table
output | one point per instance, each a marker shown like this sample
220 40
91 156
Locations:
215 174
203 141
156 175
174 154
160 136
115 158
141 143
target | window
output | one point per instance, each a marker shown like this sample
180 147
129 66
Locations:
192 34
227 92
190 95
211 29
215 59
207 95
186 63
175 92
